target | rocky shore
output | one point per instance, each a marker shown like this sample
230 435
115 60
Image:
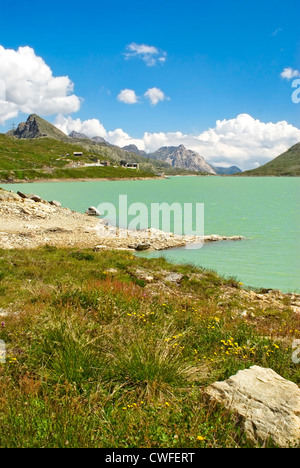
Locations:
27 221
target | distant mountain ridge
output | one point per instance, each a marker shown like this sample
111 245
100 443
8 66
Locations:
167 158
218 170
227 170
36 128
180 157
82 136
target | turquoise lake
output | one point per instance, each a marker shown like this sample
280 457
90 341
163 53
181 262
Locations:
264 210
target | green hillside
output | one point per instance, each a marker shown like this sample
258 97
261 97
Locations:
287 164
38 150
49 158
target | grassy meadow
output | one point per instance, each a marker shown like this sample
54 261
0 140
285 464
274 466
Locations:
99 357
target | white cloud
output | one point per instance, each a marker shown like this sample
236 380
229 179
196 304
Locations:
90 128
242 141
128 96
289 73
120 138
155 95
149 54
8 110
27 85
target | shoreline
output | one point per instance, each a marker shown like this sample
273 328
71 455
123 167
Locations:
91 179
27 224
31 222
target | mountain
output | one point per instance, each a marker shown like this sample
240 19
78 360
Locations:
180 157
227 170
286 164
99 139
82 136
134 149
36 127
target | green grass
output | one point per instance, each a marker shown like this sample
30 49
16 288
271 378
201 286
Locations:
45 158
98 359
74 173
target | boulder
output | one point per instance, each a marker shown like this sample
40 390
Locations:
22 195
36 198
55 203
142 246
267 405
174 277
92 211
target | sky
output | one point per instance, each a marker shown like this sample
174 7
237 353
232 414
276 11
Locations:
220 77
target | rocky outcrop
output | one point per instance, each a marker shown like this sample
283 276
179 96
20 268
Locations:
267 405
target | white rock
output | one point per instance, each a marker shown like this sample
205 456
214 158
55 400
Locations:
268 405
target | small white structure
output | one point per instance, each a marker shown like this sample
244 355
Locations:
78 153
133 166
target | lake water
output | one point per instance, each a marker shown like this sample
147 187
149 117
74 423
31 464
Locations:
263 210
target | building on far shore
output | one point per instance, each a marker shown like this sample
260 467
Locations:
105 163
78 153
133 166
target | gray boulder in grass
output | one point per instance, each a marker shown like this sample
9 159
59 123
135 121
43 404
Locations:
267 404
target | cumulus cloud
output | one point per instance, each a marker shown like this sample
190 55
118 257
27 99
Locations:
90 127
93 128
155 95
128 96
27 85
120 138
245 141
149 54
290 73
242 141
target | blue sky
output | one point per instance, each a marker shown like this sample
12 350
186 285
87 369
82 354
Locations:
208 74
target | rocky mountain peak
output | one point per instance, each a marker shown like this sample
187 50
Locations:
36 127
